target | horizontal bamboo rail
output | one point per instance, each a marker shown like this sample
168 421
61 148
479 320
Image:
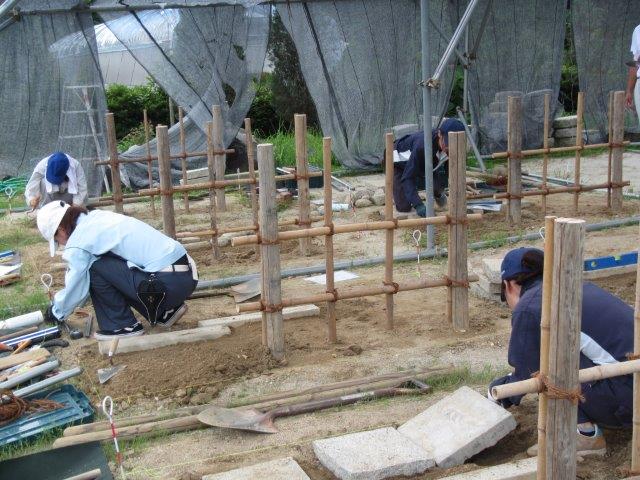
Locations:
220 231
573 148
175 156
568 189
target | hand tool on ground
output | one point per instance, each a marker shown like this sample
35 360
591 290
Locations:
257 421
246 290
105 374
47 280
108 411
21 346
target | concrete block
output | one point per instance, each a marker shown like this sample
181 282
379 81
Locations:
298 311
458 427
559 133
372 455
565 142
400 131
491 269
280 469
164 339
518 470
487 286
479 292
566 122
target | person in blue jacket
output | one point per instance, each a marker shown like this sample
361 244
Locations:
408 167
121 262
606 336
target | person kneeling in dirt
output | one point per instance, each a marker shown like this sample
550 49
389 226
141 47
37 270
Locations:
56 177
606 337
121 262
408 167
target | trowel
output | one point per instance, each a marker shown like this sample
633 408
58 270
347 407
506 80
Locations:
105 374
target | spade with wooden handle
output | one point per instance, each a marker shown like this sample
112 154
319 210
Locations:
105 374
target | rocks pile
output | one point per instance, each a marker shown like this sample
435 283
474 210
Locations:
488 284
366 197
564 132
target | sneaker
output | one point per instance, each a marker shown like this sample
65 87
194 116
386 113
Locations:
169 317
134 330
585 445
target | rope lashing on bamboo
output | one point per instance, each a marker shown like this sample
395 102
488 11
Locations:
452 221
262 241
556 393
514 196
331 229
456 283
633 356
13 407
396 286
299 176
616 145
619 184
270 308
333 292
515 155
166 193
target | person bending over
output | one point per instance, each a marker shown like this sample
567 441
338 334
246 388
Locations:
56 177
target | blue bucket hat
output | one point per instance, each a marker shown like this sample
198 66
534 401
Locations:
512 262
450 125
57 167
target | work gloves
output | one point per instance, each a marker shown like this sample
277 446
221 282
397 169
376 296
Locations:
50 317
421 210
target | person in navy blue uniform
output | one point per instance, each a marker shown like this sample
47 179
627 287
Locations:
408 167
606 336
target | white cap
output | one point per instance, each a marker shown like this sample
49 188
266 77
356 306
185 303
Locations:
49 218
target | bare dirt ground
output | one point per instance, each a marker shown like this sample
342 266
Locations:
237 366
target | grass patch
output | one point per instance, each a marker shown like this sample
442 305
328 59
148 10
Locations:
284 148
18 233
27 447
494 239
465 376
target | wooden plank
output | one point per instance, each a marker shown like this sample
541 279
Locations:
149 161
332 334
18 358
289 313
251 159
112 145
302 169
579 142
514 142
389 234
618 150
220 160
545 145
183 152
165 339
164 169
213 208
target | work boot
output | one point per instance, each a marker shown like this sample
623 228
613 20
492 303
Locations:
585 445
170 317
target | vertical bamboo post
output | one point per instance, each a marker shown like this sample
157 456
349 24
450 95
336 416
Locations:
183 156
616 158
635 439
114 165
302 171
220 159
389 234
149 161
166 190
332 335
251 158
213 211
547 289
610 140
458 275
514 146
545 144
564 347
579 143
270 252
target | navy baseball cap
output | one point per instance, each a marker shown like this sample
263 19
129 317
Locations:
57 167
450 125
512 262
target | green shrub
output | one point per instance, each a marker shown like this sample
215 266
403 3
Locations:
135 137
265 121
284 148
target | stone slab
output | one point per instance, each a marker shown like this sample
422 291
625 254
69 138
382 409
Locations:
565 122
479 292
559 133
486 285
165 339
491 268
459 426
299 311
518 470
566 142
280 469
372 455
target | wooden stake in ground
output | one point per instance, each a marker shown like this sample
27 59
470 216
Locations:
332 335
610 150
213 213
514 147
458 290
251 158
564 348
270 252
149 160
616 158
545 144
579 142
547 289
389 234
112 144
635 439
302 171
166 190
220 159
183 159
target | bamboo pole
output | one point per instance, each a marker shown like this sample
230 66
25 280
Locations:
616 158
635 439
354 227
183 159
220 160
149 167
302 169
251 158
213 212
539 151
552 191
270 253
578 153
246 228
564 347
609 138
389 234
112 144
457 290
172 157
514 142
547 289
545 144
164 168
332 335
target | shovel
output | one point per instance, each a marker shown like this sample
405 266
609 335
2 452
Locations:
247 290
105 374
256 421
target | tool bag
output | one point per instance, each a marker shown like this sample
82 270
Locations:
151 292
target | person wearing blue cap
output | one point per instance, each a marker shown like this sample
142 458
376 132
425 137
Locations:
56 177
606 336
408 167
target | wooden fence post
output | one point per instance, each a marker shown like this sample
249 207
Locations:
166 190
635 439
389 233
149 161
302 170
545 145
112 143
251 158
332 335
578 154
270 251
610 140
458 290
514 147
220 159
564 347
213 211
183 158
616 158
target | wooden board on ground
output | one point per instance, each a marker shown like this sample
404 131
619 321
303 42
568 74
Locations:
288 313
158 340
18 358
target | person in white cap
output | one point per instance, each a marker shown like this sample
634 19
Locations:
56 177
121 262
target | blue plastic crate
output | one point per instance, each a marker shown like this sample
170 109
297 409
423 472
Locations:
77 409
